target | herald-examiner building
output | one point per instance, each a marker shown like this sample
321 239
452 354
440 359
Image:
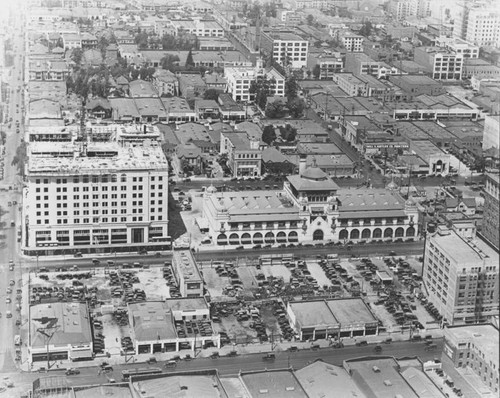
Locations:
311 207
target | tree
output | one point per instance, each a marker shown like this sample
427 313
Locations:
366 29
296 107
261 88
316 71
275 110
310 19
211 94
189 59
141 39
288 133
76 56
268 135
170 62
291 87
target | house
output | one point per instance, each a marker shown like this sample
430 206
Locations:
189 159
99 108
165 83
88 40
466 206
191 85
230 109
275 162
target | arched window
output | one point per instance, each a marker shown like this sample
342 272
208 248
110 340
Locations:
377 233
269 238
281 237
246 239
318 235
355 234
400 232
293 237
366 234
388 233
410 231
234 239
257 238
343 234
222 239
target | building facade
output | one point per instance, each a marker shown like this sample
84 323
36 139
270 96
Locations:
475 347
441 64
286 48
310 207
491 209
99 197
243 153
461 275
187 274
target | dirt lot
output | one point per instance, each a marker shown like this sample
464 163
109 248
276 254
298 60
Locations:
153 284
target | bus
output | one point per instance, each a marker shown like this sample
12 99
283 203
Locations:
126 374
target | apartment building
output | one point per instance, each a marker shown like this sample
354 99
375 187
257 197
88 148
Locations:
475 347
286 47
461 275
400 9
352 42
440 63
95 197
350 84
239 80
491 209
478 23
420 8
328 65
244 154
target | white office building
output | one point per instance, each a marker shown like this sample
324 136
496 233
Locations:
97 197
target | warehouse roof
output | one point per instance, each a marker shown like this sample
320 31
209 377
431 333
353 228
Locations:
152 321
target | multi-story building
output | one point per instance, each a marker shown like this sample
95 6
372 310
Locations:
352 42
187 274
95 196
361 64
165 82
329 64
239 80
491 210
420 8
310 207
458 46
286 47
478 23
440 63
461 275
48 69
475 347
414 85
71 40
197 27
350 84
491 132
400 9
243 153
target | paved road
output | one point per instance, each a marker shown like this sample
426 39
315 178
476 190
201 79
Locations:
246 363
366 250
8 250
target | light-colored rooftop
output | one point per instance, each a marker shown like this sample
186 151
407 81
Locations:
275 383
379 378
350 311
369 200
110 157
185 264
318 380
68 321
466 253
313 313
152 321
188 386
484 337
421 383
104 392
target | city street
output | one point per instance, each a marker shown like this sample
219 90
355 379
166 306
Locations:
233 365
8 196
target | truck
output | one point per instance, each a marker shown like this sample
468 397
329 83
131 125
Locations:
17 340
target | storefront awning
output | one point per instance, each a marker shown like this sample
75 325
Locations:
80 354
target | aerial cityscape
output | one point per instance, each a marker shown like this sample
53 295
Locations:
249 198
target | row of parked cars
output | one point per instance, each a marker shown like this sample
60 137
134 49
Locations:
168 275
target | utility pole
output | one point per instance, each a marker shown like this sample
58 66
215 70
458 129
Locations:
43 331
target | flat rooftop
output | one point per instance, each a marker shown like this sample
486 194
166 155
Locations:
104 392
318 378
467 254
484 337
152 321
274 383
185 263
414 79
379 378
351 311
185 386
68 321
106 156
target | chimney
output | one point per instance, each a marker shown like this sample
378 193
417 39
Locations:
302 164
